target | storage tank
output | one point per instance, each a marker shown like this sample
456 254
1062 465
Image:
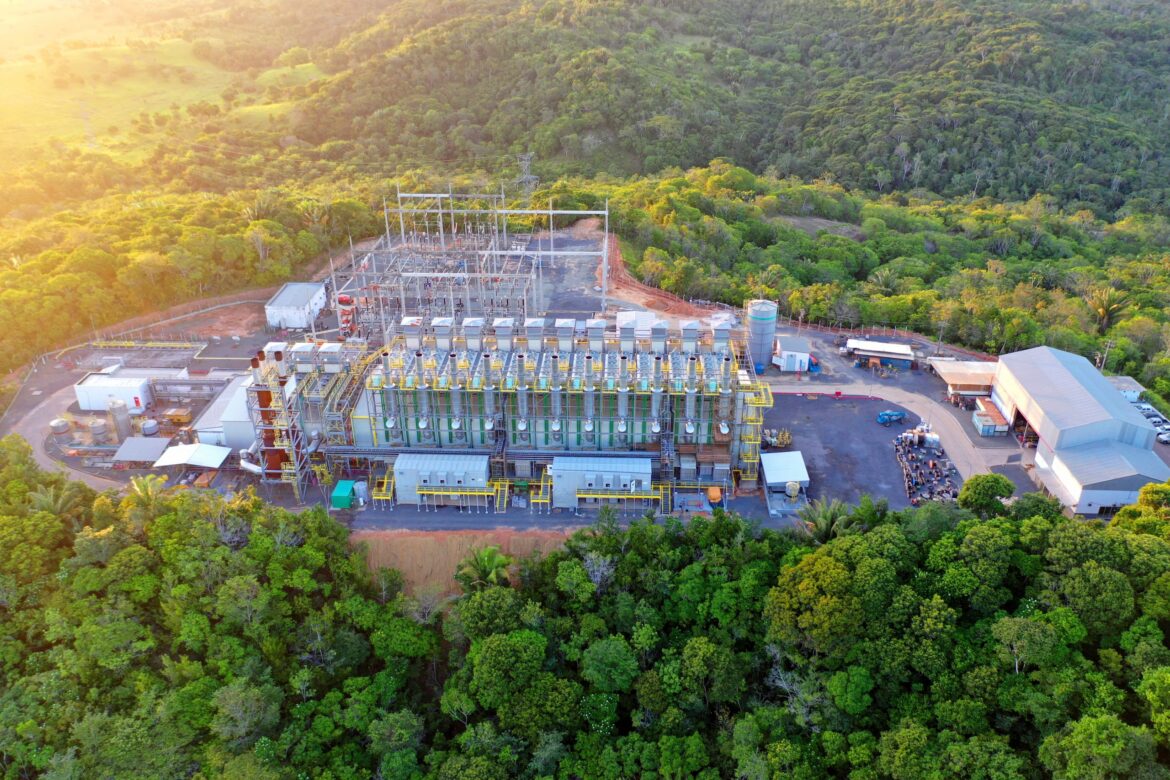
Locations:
62 432
761 317
120 416
150 427
99 432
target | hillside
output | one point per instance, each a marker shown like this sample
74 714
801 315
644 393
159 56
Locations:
979 97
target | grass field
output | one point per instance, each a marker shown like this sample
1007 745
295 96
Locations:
85 93
290 76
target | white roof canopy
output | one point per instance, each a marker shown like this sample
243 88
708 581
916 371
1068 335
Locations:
204 456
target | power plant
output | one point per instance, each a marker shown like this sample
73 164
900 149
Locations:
681 406
463 374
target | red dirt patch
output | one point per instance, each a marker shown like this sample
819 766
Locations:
625 287
431 557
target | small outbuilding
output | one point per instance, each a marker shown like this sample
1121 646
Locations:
793 353
600 480
424 479
881 353
782 469
296 305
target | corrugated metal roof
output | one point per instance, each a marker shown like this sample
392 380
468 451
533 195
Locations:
881 347
221 408
1070 390
454 464
141 449
205 456
105 380
780 468
595 464
963 372
795 344
1102 462
1125 383
295 294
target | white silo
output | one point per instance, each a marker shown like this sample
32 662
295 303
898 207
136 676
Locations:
98 431
761 317
62 432
120 417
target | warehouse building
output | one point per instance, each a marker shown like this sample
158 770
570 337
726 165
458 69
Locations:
95 391
296 305
1093 449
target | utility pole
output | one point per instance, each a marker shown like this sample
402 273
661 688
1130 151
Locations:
938 345
526 179
1103 358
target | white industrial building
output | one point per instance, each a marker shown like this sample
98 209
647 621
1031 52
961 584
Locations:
792 353
1093 449
435 480
599 480
95 391
1130 389
225 421
296 305
780 469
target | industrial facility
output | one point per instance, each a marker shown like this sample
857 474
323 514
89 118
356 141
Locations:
621 413
450 381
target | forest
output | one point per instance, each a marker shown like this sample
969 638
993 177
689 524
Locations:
168 633
1000 167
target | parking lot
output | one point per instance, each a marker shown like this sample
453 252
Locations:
847 452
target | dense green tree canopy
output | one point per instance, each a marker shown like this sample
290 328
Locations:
173 634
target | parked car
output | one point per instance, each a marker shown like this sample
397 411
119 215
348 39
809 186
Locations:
1164 438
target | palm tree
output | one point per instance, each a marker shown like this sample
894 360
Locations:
823 520
484 567
883 281
144 499
65 502
1106 303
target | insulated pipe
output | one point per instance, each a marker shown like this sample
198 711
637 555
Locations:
556 387
692 361
657 383
255 370
456 391
489 399
727 373
521 389
690 403
623 373
421 389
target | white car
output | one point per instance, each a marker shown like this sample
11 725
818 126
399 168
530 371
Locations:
1164 438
